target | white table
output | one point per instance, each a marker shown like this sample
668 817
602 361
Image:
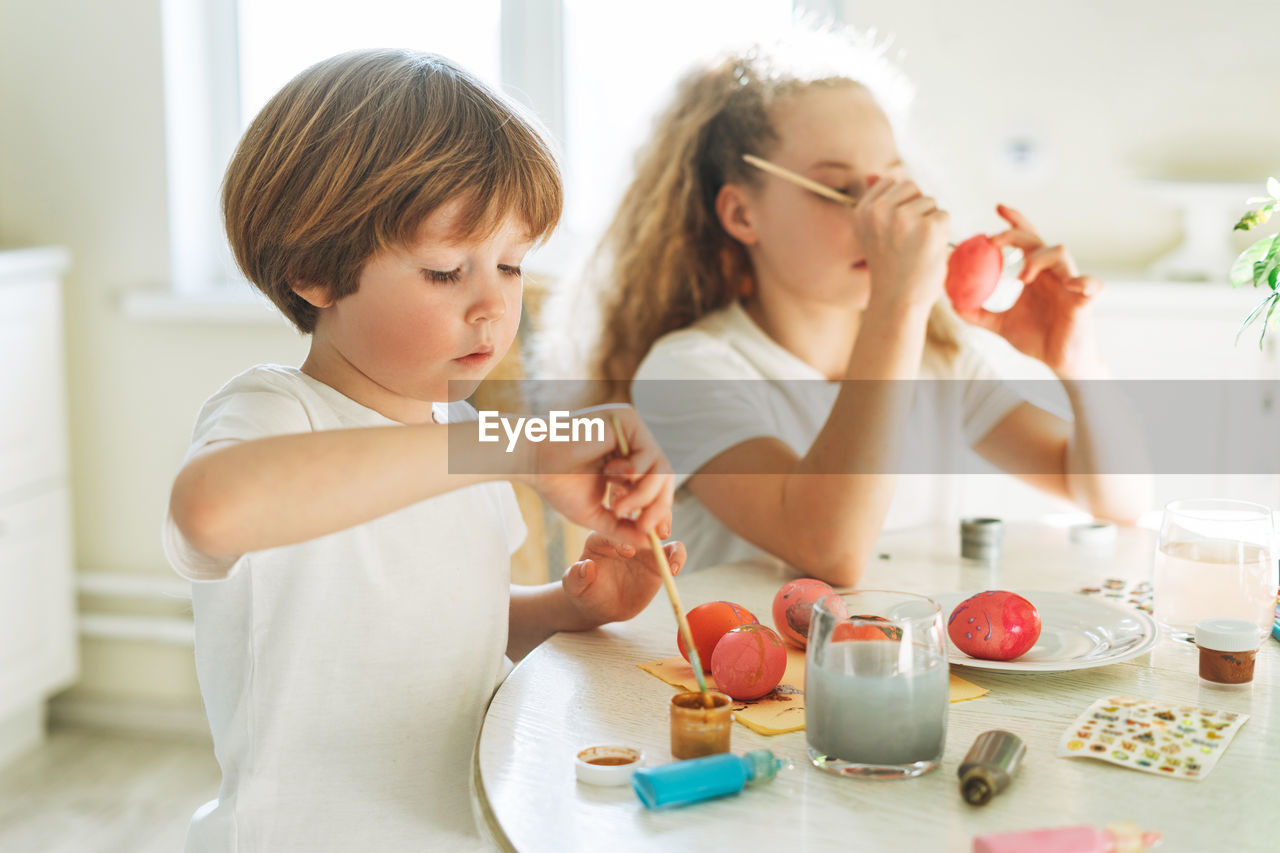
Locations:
582 689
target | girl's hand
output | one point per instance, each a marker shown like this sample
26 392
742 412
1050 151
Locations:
1052 319
613 581
903 236
572 477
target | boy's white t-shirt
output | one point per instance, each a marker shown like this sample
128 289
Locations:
345 678
753 388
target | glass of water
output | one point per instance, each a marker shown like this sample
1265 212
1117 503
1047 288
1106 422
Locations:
1214 558
876 684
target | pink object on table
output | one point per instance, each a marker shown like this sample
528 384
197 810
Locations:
1115 838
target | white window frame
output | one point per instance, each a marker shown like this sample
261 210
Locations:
201 76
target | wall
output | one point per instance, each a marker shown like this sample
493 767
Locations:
1113 92
82 165
1110 92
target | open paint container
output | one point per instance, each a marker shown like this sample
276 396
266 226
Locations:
607 765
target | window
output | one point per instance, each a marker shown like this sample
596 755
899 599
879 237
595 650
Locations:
595 72
278 38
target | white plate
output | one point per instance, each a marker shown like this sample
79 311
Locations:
1076 632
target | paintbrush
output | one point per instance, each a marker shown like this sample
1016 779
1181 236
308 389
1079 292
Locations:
813 186
799 180
669 581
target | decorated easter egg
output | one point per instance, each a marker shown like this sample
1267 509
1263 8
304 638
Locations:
994 625
972 272
748 662
793 608
708 623
860 630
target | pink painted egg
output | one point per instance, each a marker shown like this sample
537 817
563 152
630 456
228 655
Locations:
793 608
973 271
994 625
748 662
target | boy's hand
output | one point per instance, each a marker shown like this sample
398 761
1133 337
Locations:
1051 320
613 581
571 476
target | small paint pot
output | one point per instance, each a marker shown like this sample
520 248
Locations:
980 539
607 765
1092 533
698 730
1227 651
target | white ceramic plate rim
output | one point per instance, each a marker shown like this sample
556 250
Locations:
1044 599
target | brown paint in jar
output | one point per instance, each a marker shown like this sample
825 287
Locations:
697 730
1227 650
610 760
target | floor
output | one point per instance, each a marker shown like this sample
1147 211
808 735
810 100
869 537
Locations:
98 792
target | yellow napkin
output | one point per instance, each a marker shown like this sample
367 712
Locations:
782 710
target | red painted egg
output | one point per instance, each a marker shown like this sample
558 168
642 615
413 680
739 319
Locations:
748 662
973 271
994 625
793 608
708 623
846 631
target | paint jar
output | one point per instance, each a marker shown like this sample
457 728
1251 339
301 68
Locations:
1227 650
607 765
697 729
980 539
703 778
1093 533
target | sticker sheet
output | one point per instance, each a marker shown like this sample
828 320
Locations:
1137 593
1180 741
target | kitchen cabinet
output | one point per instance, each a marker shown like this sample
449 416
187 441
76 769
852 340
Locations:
37 599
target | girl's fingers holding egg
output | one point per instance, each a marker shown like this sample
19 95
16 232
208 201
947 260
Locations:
1086 285
1017 220
1027 241
1052 258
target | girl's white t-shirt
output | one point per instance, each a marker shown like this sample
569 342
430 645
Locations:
752 387
345 678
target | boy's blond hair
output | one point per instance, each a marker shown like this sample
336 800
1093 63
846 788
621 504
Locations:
354 153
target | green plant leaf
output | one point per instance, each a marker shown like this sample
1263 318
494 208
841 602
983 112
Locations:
1254 218
1266 323
1243 269
1253 315
1273 187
